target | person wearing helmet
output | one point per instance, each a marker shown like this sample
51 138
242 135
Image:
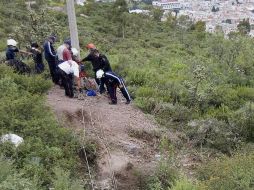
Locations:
37 57
90 46
11 49
50 56
113 81
11 57
67 72
99 61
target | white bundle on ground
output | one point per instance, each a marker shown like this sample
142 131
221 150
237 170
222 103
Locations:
15 139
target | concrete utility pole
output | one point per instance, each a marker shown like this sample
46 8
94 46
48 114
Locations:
73 25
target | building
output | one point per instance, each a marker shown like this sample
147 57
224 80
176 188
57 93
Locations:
168 4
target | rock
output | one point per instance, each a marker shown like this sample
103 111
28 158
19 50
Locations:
132 148
157 156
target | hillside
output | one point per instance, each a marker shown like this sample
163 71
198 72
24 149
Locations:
198 87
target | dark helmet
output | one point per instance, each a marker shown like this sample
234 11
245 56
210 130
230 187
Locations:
34 45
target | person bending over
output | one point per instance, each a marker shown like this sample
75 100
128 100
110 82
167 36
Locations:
67 71
99 61
113 81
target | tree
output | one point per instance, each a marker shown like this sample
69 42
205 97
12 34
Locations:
36 28
119 7
184 22
200 26
199 29
157 14
171 21
120 15
218 29
244 27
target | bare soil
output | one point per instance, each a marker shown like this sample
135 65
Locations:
126 136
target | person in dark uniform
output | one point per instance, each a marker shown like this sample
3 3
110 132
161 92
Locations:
11 60
113 81
37 57
11 49
50 56
99 61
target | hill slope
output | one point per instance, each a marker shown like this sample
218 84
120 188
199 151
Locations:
111 126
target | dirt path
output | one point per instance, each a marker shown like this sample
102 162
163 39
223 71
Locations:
126 137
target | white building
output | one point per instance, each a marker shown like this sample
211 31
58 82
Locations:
168 4
140 11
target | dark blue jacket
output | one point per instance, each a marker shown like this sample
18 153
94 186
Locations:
49 51
10 53
113 78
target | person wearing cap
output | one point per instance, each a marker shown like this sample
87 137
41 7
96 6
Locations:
67 71
37 57
113 81
50 56
99 61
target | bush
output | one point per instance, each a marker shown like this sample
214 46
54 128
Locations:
62 181
235 173
212 133
46 144
164 177
243 119
246 93
166 113
11 180
183 184
146 104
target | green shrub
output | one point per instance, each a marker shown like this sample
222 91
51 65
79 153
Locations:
243 119
235 173
183 184
221 113
164 177
62 181
46 144
166 113
11 180
224 95
246 93
146 92
213 134
146 104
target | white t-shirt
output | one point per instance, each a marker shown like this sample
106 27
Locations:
59 52
68 69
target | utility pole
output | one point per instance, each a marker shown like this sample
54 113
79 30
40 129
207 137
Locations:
73 25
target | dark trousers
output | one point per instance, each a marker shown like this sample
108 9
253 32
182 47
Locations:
112 91
19 66
67 82
53 70
39 68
